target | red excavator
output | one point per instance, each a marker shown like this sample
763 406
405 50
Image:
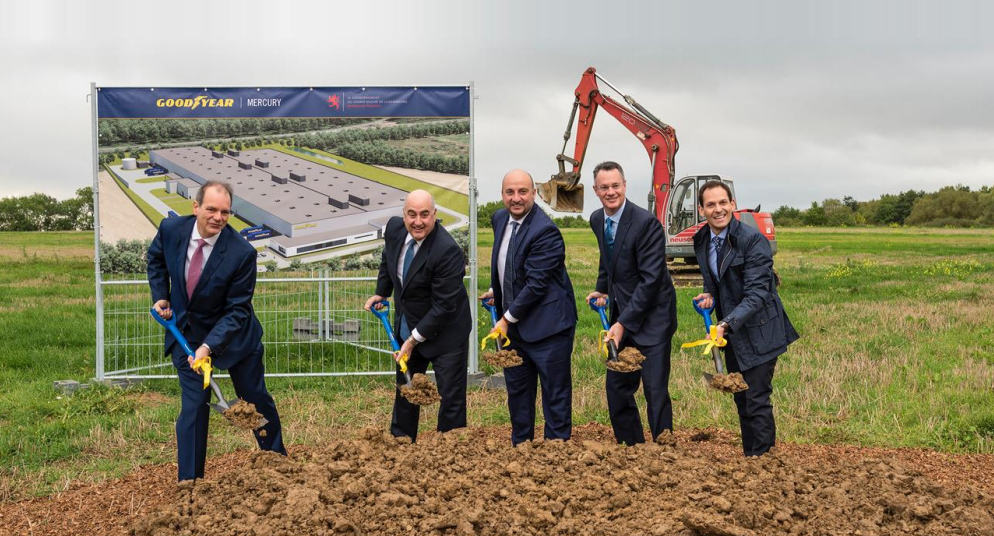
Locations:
675 206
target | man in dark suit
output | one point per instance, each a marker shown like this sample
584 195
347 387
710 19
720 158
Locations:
203 272
423 267
534 295
737 264
642 301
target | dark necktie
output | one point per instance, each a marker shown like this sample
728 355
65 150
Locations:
507 288
405 331
718 243
196 268
609 235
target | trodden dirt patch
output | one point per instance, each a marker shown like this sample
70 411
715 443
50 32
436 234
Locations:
466 482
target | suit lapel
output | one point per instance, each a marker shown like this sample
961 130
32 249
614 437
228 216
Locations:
217 255
179 258
619 235
500 224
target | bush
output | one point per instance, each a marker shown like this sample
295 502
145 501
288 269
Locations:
125 257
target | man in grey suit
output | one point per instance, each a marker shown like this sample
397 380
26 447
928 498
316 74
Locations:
737 265
642 301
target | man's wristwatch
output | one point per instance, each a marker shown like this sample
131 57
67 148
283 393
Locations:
413 341
723 325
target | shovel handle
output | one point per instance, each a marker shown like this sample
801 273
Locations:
492 309
601 311
171 326
384 316
706 313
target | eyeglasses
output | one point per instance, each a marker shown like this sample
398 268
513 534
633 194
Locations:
213 211
608 187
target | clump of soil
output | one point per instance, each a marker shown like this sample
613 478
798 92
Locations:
729 383
629 360
503 358
242 414
422 391
466 482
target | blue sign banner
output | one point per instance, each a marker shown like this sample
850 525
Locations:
240 102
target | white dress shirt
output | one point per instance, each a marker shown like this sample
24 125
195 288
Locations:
400 272
502 256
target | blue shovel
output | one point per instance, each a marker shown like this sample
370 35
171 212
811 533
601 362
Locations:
222 404
384 316
612 348
706 313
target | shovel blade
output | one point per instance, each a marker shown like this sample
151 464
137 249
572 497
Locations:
219 408
708 378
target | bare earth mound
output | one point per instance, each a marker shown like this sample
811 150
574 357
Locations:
466 483
115 507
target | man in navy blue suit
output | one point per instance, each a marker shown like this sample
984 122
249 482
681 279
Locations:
737 264
642 300
534 295
203 272
423 266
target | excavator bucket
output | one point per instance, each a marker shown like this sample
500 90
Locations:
562 196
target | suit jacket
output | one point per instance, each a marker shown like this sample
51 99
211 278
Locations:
220 313
635 275
543 294
746 294
433 296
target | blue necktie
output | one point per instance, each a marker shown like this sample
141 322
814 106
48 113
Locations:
405 331
609 235
717 242
507 288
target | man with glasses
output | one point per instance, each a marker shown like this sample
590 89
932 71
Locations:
633 273
737 265
203 272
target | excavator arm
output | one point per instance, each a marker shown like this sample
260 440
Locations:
563 192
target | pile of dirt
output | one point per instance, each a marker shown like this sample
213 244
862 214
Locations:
729 383
466 482
242 414
422 391
503 358
629 360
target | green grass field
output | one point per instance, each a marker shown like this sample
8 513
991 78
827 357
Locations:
896 350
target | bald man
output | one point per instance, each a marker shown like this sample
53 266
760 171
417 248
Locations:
424 268
533 292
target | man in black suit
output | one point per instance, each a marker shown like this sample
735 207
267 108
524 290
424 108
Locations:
737 264
203 272
424 268
534 295
642 301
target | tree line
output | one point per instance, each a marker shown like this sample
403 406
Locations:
144 131
41 212
951 206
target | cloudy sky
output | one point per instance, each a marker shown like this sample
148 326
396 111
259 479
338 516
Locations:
797 101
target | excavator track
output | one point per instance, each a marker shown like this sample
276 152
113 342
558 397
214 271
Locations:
684 275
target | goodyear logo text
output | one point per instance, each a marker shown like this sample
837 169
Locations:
194 103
